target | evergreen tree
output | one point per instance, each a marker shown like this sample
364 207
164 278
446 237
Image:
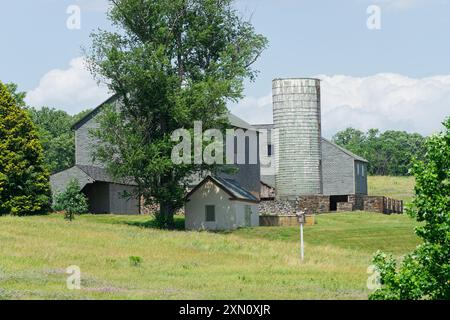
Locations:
24 181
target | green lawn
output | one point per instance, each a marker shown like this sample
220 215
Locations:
400 188
259 263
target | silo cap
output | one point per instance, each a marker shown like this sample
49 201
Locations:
293 78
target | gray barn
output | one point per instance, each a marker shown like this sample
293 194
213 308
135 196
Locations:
343 172
106 195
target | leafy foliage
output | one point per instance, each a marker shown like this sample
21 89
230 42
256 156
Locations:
425 273
173 62
56 136
19 97
71 201
24 181
389 153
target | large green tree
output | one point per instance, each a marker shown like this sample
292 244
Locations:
24 185
425 273
171 62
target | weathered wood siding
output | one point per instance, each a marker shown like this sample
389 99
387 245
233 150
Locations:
338 170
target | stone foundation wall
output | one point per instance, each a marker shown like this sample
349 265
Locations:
317 204
357 200
314 204
374 204
284 221
277 207
308 204
344 206
154 208
383 205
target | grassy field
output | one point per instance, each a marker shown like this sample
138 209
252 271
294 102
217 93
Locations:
259 263
400 188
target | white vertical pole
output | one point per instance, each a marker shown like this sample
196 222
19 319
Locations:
302 253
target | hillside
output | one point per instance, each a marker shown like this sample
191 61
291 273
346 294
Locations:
400 188
260 263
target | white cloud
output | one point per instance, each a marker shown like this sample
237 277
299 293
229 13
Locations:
72 89
384 101
254 110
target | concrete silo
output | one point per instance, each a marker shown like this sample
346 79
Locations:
297 122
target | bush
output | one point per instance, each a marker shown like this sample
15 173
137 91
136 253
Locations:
24 181
71 201
424 273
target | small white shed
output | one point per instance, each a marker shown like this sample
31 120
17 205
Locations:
220 204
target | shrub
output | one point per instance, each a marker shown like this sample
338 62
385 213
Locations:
71 201
424 273
24 181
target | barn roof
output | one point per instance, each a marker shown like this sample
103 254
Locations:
230 186
101 175
351 154
234 120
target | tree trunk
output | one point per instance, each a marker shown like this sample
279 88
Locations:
165 217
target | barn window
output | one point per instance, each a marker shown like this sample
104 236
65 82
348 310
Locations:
362 170
210 213
269 150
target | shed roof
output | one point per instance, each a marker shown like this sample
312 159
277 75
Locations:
230 186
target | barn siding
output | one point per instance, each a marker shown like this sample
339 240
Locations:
119 204
85 144
361 177
338 170
247 175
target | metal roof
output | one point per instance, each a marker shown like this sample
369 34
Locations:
234 120
351 154
101 175
230 186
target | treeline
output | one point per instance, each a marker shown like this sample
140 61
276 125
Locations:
389 153
54 129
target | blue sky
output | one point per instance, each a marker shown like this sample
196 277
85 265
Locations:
389 78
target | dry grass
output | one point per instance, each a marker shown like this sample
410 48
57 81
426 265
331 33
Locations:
260 263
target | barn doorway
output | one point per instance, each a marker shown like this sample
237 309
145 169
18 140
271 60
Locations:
334 201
